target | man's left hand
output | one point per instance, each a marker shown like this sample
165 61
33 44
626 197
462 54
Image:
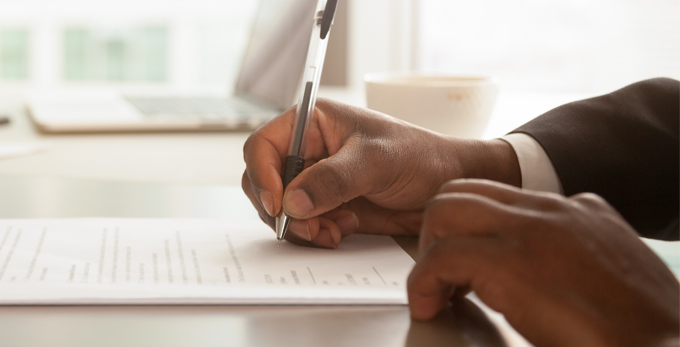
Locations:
563 271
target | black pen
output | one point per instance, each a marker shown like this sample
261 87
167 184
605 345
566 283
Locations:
316 53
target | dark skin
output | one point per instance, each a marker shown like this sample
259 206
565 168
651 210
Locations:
564 271
366 172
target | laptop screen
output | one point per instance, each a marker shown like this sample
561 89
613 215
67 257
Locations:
276 53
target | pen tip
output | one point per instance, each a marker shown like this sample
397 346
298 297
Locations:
279 245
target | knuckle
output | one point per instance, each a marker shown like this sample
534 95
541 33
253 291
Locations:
443 251
249 142
551 202
437 204
440 205
590 200
450 186
466 184
446 213
438 252
334 181
588 197
453 204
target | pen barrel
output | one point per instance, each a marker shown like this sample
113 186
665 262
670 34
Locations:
292 168
316 53
303 121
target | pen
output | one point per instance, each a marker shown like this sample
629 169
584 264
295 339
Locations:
295 161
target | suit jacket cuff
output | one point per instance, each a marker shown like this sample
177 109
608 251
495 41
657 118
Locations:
538 172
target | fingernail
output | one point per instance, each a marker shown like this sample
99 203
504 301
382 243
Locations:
297 203
336 237
348 224
267 201
325 239
301 229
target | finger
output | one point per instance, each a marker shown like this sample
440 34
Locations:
503 193
593 202
299 232
330 228
314 232
263 153
294 239
464 214
329 235
363 216
345 218
263 169
266 149
449 263
330 182
306 229
248 190
326 231
494 190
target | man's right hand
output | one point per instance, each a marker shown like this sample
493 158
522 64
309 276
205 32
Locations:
365 172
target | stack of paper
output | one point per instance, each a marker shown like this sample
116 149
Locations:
146 261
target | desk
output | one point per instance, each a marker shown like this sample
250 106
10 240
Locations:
463 324
190 175
193 158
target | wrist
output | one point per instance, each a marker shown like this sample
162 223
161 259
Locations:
494 160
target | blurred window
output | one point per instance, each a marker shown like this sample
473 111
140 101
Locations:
591 46
189 45
14 54
136 54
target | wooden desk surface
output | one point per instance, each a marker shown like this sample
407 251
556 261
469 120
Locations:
463 324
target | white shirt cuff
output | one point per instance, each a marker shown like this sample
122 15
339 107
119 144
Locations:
538 172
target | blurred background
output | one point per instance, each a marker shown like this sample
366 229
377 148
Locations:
542 52
195 46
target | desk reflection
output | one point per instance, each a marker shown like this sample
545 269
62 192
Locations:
461 324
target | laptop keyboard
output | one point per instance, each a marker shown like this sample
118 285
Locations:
214 109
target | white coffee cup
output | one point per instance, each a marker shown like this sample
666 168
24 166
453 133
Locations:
457 105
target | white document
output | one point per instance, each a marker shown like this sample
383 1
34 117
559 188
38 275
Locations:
154 261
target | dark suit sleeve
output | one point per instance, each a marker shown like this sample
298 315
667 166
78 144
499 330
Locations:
622 146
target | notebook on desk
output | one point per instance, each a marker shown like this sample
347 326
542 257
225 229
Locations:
267 84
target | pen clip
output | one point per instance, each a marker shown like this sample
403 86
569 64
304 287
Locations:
328 15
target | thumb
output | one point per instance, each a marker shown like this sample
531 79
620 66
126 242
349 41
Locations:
330 182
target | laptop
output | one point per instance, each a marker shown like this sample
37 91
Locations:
267 84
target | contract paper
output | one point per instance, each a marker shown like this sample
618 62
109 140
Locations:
147 261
